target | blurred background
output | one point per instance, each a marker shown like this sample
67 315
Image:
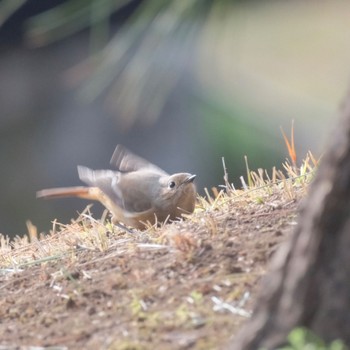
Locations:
180 82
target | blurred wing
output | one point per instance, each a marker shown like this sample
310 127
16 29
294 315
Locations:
126 161
105 180
130 191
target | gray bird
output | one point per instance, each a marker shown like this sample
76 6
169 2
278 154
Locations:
137 194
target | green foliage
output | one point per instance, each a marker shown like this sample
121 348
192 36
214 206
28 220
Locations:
8 8
197 297
303 339
128 67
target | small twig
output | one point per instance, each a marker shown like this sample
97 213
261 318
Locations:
221 305
227 183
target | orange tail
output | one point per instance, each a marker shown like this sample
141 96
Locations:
78 191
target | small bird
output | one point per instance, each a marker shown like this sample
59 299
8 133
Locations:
137 194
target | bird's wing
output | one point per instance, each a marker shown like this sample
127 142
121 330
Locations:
126 161
105 180
140 190
129 191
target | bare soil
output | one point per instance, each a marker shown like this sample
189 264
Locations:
186 285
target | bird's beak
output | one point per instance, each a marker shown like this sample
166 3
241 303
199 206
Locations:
190 179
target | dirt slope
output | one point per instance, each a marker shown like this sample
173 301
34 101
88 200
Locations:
187 285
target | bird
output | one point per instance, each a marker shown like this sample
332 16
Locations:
137 194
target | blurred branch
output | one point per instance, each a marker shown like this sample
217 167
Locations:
139 66
8 8
69 18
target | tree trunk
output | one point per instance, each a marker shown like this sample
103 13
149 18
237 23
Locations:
309 282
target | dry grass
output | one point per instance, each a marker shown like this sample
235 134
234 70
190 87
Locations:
187 284
87 233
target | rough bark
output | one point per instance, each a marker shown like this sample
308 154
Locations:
309 282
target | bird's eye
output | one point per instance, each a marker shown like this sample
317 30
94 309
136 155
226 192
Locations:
171 184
